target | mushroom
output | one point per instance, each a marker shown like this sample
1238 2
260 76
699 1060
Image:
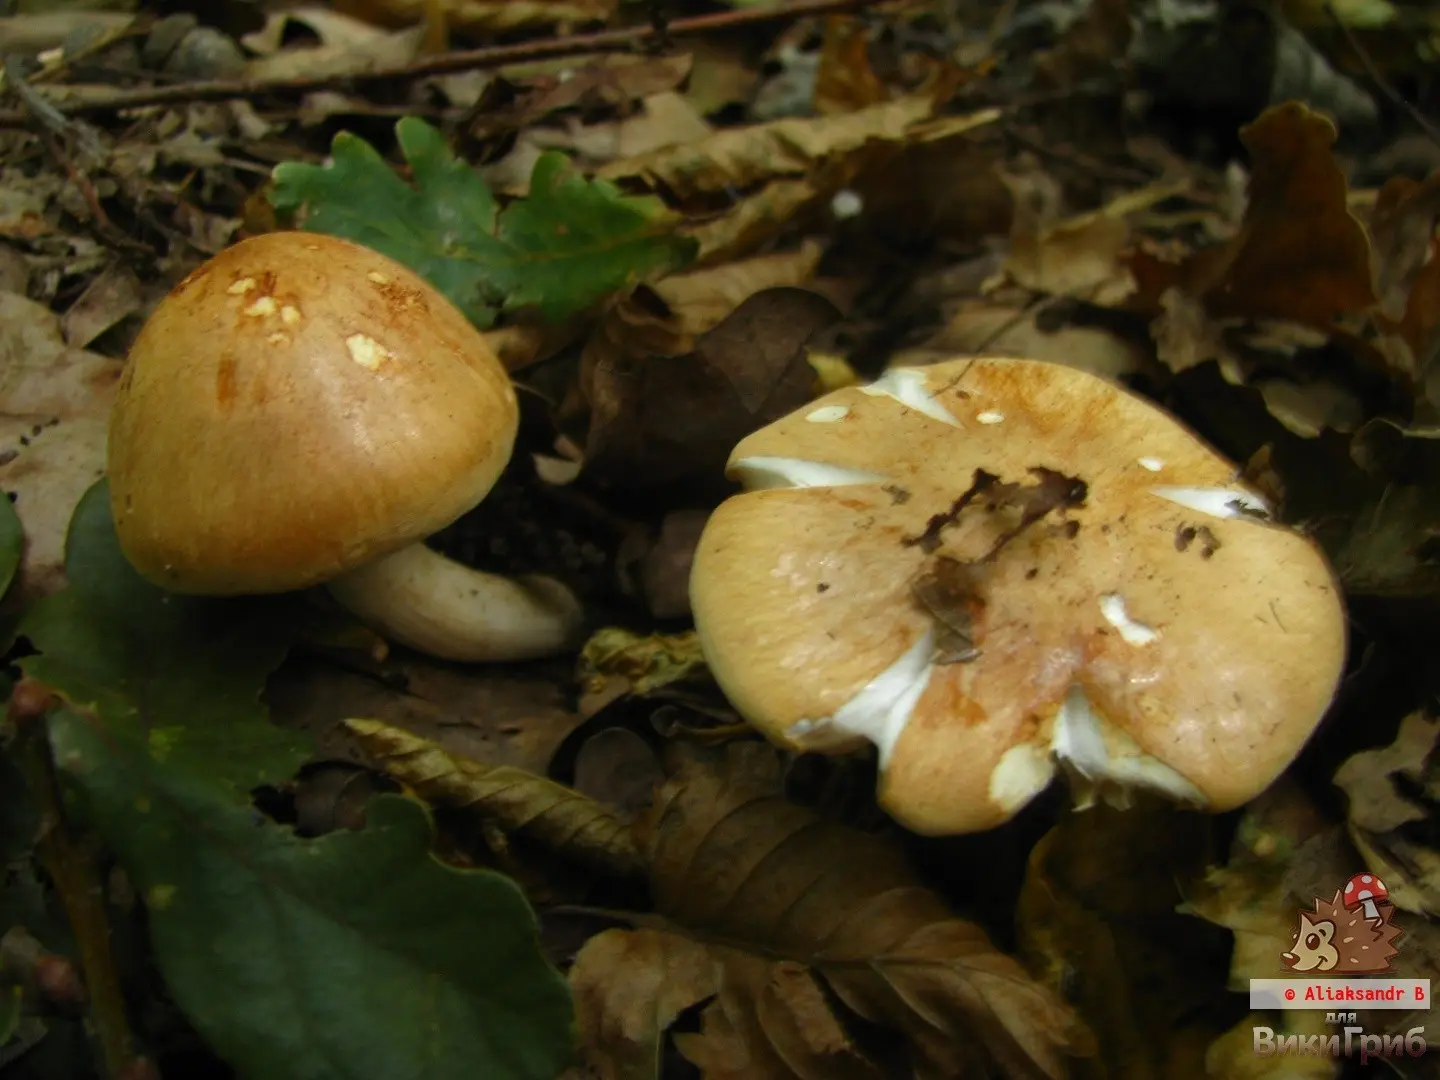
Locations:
1365 890
987 565
303 410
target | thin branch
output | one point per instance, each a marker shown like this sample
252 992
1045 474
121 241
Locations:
69 858
447 63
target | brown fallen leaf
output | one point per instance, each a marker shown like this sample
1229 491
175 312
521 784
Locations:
1388 820
112 295
774 172
700 299
1097 921
1285 854
492 714
622 1022
343 45
807 926
984 328
54 416
661 417
1082 256
845 80
518 801
1300 254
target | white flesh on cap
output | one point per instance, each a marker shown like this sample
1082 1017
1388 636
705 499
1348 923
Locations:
907 386
419 598
1217 502
1100 752
881 710
758 473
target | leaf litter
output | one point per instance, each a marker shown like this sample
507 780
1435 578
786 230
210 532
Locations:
671 239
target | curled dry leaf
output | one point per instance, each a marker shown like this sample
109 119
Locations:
787 928
1391 791
520 802
783 168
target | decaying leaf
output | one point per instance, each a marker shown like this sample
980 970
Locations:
518 801
1097 921
658 417
783 168
808 927
646 663
1300 253
1388 789
52 434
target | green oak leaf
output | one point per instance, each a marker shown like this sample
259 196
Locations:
568 244
182 674
355 956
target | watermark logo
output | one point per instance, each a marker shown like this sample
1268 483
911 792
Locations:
1352 933
1341 950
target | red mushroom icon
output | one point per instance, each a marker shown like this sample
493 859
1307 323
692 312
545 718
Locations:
1364 890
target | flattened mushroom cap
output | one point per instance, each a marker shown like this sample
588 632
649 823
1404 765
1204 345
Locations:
1151 625
296 407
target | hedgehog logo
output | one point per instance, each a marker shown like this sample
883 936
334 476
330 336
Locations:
1349 934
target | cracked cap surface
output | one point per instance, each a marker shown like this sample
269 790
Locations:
1202 635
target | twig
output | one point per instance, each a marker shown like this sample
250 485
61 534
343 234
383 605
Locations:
1381 83
70 863
446 63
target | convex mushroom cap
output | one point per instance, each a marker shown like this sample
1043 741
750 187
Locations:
300 410
987 565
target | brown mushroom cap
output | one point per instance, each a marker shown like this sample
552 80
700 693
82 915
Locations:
1151 625
295 408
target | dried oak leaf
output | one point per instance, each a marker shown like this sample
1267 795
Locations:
787 928
518 801
781 169
1393 792
1300 253
660 417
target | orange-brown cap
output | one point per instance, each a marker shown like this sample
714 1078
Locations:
986 565
298 406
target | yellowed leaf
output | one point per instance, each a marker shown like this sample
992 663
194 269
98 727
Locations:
645 662
518 801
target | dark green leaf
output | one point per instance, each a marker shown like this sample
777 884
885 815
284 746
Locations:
183 674
355 956
11 540
570 243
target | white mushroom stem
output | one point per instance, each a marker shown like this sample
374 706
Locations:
419 598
